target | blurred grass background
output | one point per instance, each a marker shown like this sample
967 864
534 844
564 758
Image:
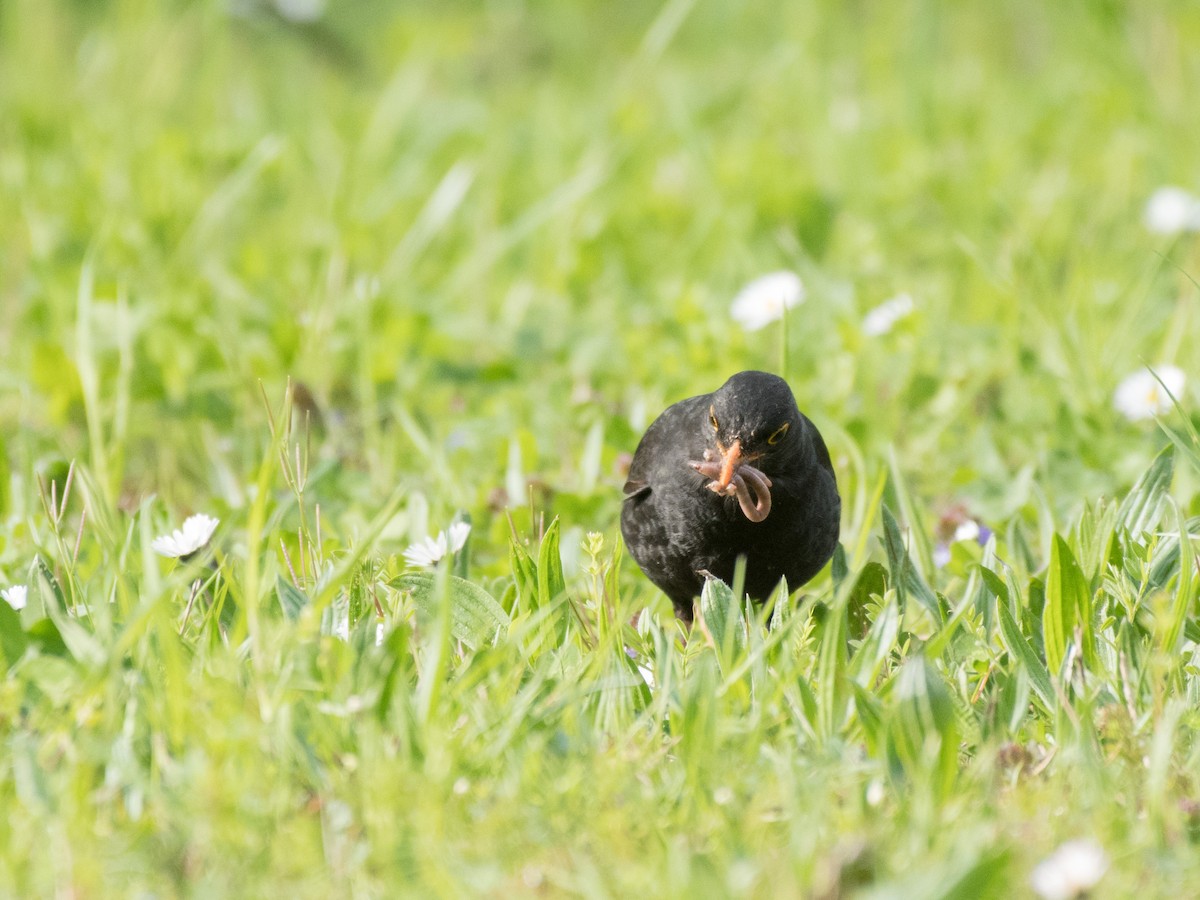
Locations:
491 241
437 207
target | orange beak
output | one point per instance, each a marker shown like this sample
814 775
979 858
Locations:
731 457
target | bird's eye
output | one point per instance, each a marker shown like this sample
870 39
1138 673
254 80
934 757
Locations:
712 418
777 434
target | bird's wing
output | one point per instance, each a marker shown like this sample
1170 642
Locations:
818 444
662 443
635 488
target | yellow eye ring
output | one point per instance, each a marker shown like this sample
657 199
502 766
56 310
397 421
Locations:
712 418
778 434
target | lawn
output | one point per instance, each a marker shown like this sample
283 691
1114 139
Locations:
349 276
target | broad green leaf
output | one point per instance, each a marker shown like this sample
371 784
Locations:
1015 699
724 618
1068 602
398 674
1189 445
31 781
1036 605
1184 598
781 609
984 878
893 544
637 681
921 553
1025 656
1164 563
870 717
905 577
838 568
832 691
51 582
1096 533
475 616
1191 630
1140 509
938 642
550 580
82 644
983 599
1016 537
44 635
524 573
552 585
292 600
808 704
1162 798
994 583
876 646
612 578
922 728
871 581
12 637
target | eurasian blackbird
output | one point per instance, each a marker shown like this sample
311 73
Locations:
738 472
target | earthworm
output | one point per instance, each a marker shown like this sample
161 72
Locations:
751 486
751 480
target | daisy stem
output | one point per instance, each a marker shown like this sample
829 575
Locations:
783 344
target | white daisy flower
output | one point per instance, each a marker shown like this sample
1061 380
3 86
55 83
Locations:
430 551
1171 210
764 299
196 532
16 596
300 10
884 317
1141 396
1070 871
967 531
876 792
427 551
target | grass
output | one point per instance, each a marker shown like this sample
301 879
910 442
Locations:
338 283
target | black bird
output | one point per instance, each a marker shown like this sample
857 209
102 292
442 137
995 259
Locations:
738 472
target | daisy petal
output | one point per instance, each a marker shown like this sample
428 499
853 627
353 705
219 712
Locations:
883 318
1171 210
196 532
1070 871
16 596
764 299
457 535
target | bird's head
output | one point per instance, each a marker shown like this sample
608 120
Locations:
753 426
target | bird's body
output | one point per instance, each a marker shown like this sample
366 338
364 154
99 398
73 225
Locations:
694 503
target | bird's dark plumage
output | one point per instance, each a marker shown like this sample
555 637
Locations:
738 472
